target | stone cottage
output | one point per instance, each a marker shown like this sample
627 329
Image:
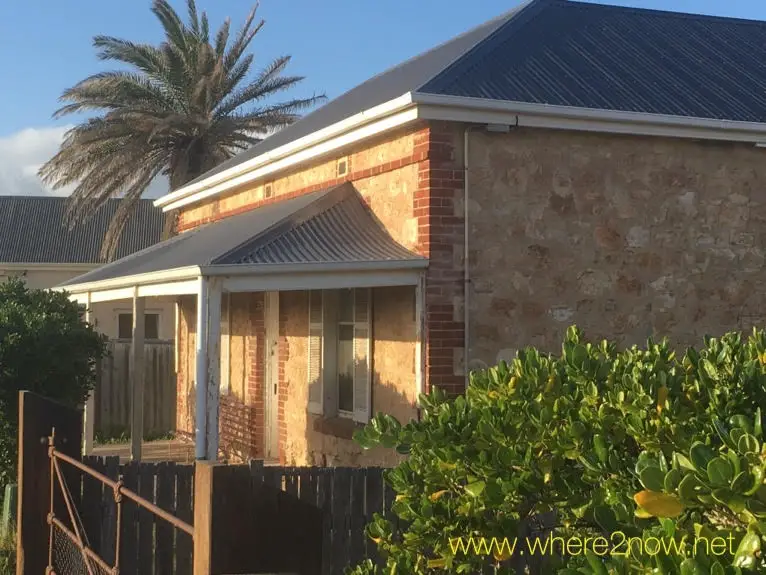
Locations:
563 163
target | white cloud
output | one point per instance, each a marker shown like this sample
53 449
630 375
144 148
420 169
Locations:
22 154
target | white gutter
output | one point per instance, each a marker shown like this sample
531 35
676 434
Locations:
180 197
272 269
164 276
480 110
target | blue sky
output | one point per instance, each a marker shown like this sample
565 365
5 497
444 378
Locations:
46 47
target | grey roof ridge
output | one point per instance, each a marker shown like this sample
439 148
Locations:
323 202
666 13
507 15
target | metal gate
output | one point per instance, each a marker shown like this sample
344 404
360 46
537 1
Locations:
69 551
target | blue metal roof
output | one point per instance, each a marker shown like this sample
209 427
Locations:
566 53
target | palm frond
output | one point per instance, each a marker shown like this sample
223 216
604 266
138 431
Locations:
179 109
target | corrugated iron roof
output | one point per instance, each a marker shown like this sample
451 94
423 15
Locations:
329 226
568 53
33 230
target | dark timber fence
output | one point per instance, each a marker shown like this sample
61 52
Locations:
347 498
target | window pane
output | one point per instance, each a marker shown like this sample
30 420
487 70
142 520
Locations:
346 305
346 368
125 326
152 326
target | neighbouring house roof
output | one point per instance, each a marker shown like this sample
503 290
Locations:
575 54
332 226
33 230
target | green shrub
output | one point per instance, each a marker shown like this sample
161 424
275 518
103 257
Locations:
45 347
8 553
594 442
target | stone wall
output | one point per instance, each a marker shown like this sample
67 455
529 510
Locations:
624 236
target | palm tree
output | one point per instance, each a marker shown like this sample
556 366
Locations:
179 109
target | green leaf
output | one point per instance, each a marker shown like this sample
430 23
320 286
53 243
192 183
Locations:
672 480
710 369
689 488
748 444
734 501
744 557
757 428
683 462
719 472
599 445
758 474
605 518
700 455
741 422
476 488
652 479
364 440
741 482
579 355
690 566
595 563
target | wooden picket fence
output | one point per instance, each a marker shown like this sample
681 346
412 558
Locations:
347 497
112 392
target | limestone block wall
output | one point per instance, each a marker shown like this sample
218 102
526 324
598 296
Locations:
625 236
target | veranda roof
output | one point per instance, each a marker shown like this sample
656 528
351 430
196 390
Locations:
332 227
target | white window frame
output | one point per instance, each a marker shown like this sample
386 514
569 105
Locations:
225 385
327 364
342 412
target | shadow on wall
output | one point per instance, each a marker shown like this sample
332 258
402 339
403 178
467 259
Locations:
329 439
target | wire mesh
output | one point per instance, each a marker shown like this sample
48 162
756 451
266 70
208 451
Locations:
68 558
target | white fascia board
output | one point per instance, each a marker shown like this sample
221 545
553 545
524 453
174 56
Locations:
325 136
313 268
482 111
187 287
330 280
132 281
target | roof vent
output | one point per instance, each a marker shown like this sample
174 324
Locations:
342 167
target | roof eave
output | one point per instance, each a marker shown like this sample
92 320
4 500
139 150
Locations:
313 143
420 106
164 276
486 111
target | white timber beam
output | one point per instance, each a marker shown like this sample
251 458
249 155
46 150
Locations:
137 376
213 365
318 280
200 372
89 413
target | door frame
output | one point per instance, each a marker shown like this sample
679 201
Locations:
271 375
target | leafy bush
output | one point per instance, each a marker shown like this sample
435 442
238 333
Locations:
592 443
8 553
45 347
